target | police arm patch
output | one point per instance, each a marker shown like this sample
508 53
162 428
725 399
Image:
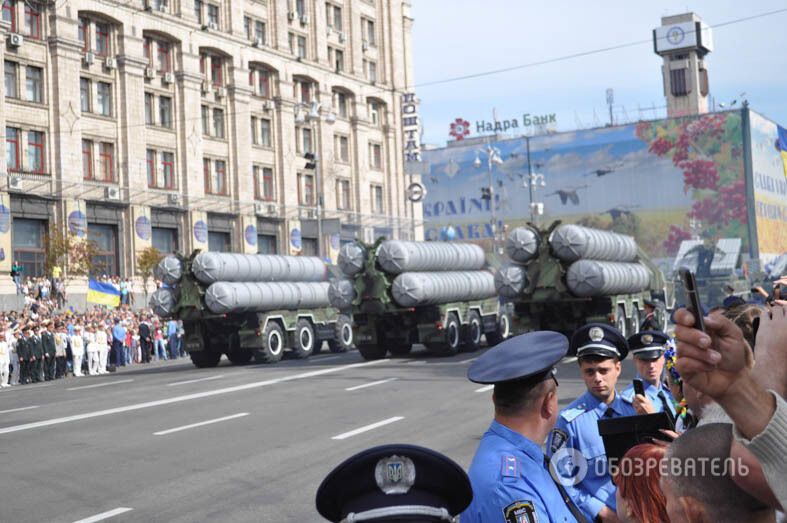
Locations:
559 438
520 512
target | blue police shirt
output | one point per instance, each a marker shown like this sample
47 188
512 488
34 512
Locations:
577 428
510 482
654 394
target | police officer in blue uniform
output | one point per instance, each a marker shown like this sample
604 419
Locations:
394 483
510 478
599 349
647 349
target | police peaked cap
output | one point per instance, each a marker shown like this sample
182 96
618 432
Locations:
531 356
599 339
648 345
394 482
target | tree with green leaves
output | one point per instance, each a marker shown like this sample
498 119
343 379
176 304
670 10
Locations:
147 259
75 256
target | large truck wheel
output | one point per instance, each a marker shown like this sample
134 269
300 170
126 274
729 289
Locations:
371 352
503 330
237 354
453 338
635 320
304 339
474 329
272 344
203 359
343 339
620 321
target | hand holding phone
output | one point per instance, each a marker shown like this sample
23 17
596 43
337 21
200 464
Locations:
693 295
639 387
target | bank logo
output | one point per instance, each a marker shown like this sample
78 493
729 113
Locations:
459 129
568 466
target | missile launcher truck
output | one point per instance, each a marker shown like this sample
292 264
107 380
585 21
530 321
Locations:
565 276
250 306
401 293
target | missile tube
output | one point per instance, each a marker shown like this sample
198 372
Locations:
169 270
163 302
211 267
411 289
522 244
601 278
223 297
341 293
397 256
574 242
351 258
511 280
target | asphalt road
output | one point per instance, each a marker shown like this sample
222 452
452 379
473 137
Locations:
169 442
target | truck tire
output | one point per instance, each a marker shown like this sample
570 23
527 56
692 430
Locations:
343 339
237 354
203 359
503 330
371 352
474 330
635 320
272 344
453 339
304 339
620 321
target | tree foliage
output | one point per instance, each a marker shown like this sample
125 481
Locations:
74 255
147 259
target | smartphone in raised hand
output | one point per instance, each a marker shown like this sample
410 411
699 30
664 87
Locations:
639 387
693 295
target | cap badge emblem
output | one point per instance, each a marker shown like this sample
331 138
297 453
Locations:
646 339
395 474
596 334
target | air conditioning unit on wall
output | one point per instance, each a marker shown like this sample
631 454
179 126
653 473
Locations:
110 62
112 193
15 182
15 39
173 199
168 78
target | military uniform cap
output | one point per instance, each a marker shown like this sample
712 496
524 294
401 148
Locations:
648 345
394 483
530 356
599 339
651 303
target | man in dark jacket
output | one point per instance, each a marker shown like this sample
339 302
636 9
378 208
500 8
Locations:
38 354
145 340
48 346
24 353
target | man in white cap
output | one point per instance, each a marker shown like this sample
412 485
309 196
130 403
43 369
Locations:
77 349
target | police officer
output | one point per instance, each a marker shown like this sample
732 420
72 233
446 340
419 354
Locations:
48 345
599 349
649 323
24 351
394 483
647 349
509 474
38 354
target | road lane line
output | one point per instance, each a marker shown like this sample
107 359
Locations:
368 428
200 424
195 381
415 362
469 360
19 386
19 409
372 384
187 397
485 388
100 385
327 358
105 515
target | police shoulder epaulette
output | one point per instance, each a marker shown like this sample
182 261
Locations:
571 413
627 395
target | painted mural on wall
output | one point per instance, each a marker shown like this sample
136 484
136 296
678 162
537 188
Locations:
660 181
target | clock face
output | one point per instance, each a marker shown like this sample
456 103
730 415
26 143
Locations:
675 35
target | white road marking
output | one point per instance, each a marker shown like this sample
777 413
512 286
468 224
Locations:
368 428
469 360
200 424
100 385
105 515
195 381
19 409
569 359
485 388
19 386
187 397
372 384
415 362
327 358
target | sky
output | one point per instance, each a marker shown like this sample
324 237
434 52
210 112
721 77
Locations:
458 37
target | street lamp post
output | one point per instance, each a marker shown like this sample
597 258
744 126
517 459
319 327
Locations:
534 180
493 157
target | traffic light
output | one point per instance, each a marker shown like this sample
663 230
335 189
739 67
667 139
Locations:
311 161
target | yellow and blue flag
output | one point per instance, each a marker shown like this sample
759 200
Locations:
102 293
782 142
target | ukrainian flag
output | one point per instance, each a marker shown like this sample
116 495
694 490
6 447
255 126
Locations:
782 142
102 293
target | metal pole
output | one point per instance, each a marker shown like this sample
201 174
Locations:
530 180
318 189
491 197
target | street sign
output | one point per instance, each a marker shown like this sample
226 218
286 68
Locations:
415 192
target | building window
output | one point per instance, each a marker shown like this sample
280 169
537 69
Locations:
35 151
147 50
168 170
218 123
205 120
333 14
342 144
678 84
215 71
149 109
266 244
377 199
247 27
104 98
265 132
164 64
302 91
263 82
375 155
298 45
105 238
28 245
305 189
303 137
106 161
259 32
300 7
33 20
9 13
263 182
84 95
11 80
371 70
34 84
82 32
102 39
150 160
198 10
254 123
374 113
369 34
165 240
343 195
340 104
338 61
12 148
165 111
87 159
219 180
213 14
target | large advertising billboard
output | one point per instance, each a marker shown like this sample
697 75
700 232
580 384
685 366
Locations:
661 181
770 188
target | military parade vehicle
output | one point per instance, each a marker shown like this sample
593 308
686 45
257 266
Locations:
439 294
565 276
250 306
717 267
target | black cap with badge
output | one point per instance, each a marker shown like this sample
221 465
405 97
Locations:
527 357
395 483
648 345
598 339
